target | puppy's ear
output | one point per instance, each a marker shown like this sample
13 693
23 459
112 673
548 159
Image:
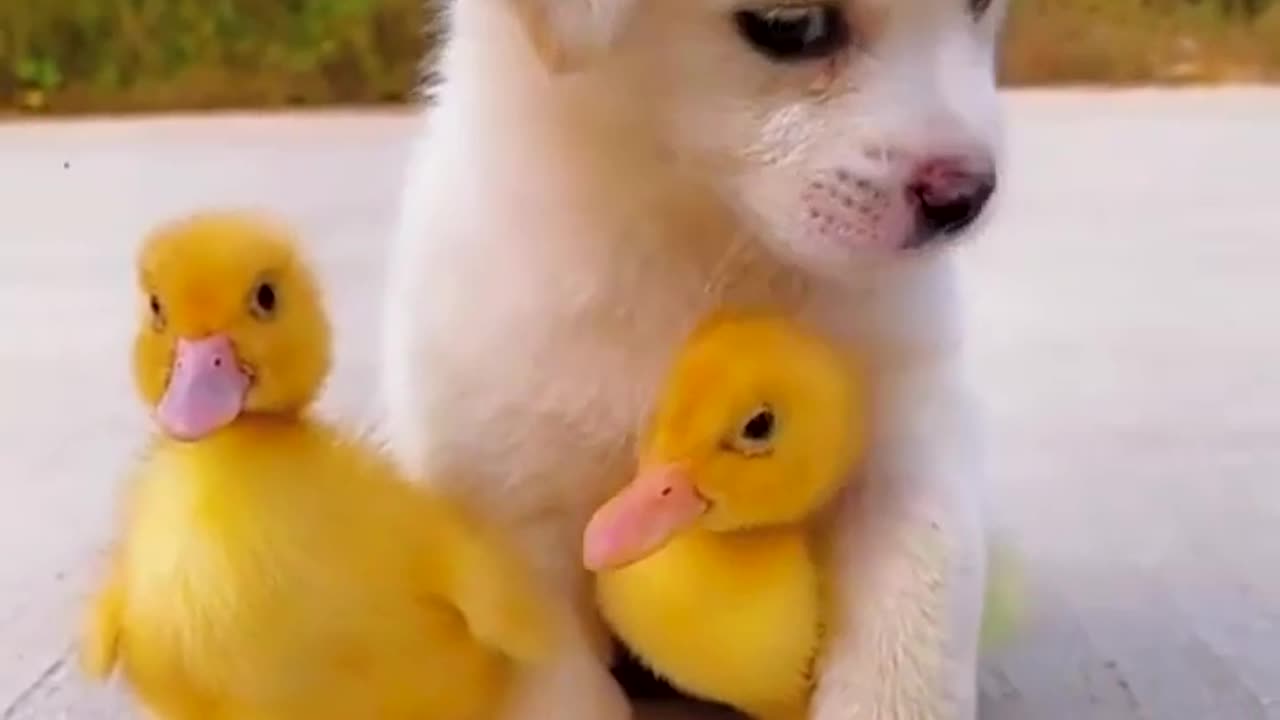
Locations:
569 34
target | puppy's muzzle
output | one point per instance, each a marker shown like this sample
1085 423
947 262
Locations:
926 201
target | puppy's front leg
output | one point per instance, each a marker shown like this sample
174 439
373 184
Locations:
909 561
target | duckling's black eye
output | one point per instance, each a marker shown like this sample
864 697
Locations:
760 427
755 436
264 301
157 313
790 33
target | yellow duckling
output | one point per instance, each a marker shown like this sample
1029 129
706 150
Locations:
271 566
705 563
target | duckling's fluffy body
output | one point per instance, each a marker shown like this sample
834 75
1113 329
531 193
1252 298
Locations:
272 566
732 618
280 570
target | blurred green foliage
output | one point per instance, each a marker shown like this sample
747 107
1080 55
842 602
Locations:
113 55
68 55
1125 42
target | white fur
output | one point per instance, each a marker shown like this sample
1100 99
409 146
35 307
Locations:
596 175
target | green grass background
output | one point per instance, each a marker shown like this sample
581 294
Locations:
70 56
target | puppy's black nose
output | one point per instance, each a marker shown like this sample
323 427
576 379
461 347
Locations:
949 195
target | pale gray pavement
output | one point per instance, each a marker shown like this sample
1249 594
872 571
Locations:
1126 337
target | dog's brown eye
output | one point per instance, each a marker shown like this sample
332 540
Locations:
795 32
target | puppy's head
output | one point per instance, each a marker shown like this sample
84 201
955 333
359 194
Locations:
841 130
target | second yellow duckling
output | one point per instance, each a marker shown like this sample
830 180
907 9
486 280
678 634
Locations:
706 566
272 566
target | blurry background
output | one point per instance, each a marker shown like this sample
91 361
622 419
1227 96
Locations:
1123 310
130 55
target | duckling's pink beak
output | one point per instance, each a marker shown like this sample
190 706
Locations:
206 388
640 519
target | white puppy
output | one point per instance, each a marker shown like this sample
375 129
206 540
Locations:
595 176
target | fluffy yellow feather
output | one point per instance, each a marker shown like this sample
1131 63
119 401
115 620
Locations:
271 566
705 563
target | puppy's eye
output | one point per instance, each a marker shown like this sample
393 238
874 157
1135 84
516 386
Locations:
756 435
978 8
157 313
795 32
263 302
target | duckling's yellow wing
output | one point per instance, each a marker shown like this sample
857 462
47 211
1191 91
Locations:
100 637
101 628
483 577
455 557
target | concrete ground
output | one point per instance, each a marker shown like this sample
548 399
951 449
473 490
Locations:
1126 325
